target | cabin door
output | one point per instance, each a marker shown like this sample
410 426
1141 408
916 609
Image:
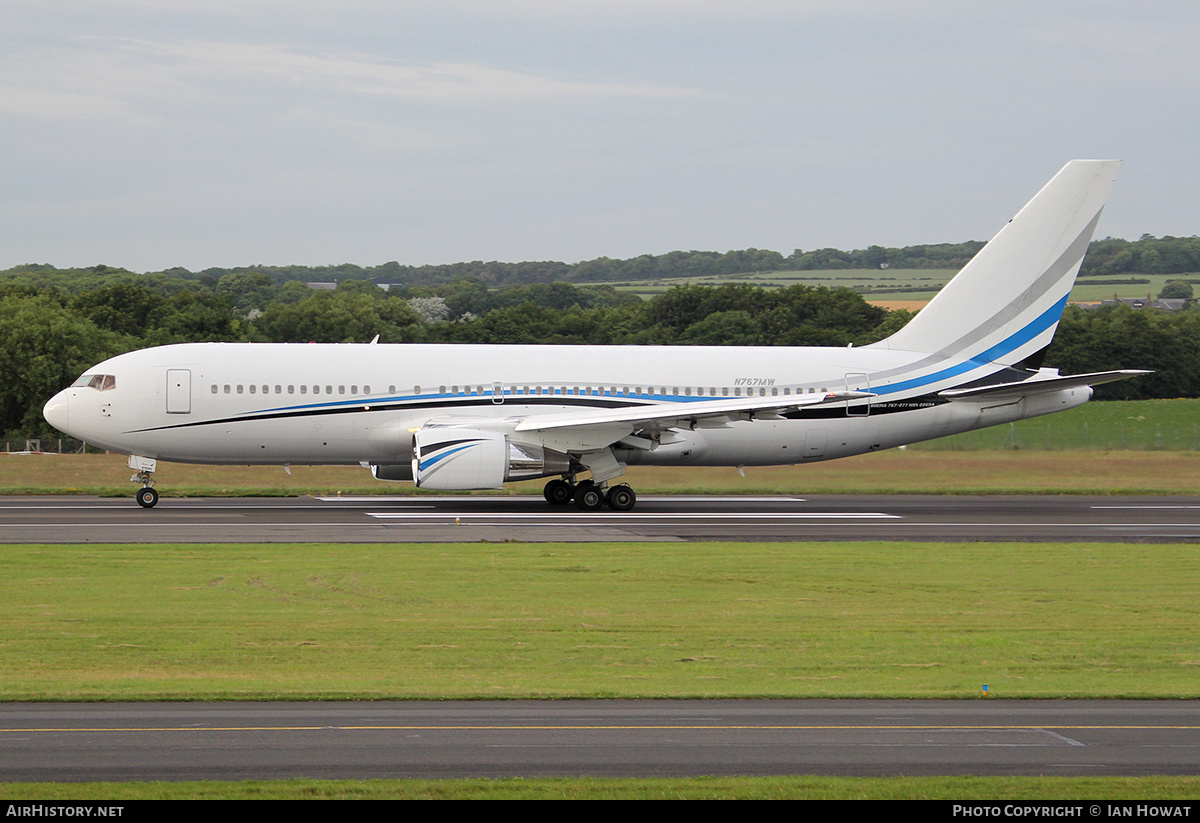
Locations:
179 391
858 382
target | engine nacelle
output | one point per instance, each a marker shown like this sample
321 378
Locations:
449 458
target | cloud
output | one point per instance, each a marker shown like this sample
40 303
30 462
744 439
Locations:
104 78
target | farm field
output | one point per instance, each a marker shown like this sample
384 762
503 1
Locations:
887 285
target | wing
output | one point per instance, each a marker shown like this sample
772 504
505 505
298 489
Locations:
595 429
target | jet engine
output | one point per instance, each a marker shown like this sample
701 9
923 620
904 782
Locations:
452 458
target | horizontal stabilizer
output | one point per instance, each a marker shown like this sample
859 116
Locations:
1039 385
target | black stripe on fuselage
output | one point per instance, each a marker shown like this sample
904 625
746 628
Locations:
449 405
443 404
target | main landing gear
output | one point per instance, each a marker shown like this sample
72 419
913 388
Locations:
590 496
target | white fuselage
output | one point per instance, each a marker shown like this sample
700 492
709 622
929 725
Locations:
256 403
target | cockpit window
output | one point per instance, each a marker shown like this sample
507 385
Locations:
99 382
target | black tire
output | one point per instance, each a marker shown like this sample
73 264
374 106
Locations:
621 498
147 497
588 497
558 492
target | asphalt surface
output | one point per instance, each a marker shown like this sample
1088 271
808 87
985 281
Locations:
473 518
227 741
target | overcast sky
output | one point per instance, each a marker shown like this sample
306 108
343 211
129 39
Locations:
149 134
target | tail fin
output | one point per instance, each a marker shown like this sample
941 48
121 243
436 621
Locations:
1005 304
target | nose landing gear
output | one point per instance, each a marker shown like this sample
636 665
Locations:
147 497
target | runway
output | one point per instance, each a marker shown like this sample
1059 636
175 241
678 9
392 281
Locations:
464 518
238 741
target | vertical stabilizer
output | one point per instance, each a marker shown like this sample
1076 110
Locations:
1006 303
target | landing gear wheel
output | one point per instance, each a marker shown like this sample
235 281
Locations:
621 498
558 492
147 497
588 496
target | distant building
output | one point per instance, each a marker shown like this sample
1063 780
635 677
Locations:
1147 302
320 286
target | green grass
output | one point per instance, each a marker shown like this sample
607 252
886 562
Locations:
408 621
696 788
1124 425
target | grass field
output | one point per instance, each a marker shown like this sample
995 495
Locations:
1132 425
412 621
698 788
907 471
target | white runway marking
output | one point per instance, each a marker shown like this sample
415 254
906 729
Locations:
614 517
1163 506
658 498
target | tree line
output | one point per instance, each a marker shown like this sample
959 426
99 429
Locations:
1109 256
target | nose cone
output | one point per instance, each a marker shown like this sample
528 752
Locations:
57 411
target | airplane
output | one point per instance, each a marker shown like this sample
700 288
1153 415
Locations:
449 417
